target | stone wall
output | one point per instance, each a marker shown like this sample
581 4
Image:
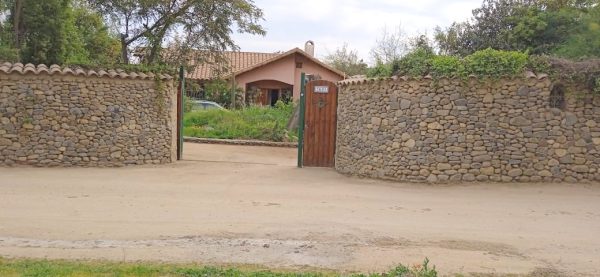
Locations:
449 131
59 117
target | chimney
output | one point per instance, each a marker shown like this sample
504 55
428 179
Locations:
309 48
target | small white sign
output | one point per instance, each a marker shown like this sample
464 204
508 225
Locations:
321 89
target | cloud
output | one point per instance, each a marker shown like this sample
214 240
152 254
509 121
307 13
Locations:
331 23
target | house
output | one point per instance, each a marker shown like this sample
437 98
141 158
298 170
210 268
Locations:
266 78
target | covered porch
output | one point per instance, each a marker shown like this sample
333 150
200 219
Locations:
268 92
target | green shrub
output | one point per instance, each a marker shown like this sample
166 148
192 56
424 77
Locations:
537 63
447 66
380 70
495 63
9 55
188 105
415 63
219 90
484 63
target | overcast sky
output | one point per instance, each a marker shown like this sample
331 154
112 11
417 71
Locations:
330 23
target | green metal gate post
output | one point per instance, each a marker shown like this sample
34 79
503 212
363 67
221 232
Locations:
180 108
301 120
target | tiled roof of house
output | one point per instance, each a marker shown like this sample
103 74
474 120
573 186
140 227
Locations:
246 61
19 68
237 60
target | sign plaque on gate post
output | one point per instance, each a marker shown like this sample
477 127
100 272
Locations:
321 89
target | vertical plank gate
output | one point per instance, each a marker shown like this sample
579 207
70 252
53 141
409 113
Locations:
320 124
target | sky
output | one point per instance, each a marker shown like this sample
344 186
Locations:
331 23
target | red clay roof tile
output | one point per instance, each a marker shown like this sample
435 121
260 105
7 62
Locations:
236 60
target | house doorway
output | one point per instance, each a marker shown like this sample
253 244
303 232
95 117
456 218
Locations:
273 96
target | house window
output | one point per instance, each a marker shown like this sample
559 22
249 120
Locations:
557 97
298 65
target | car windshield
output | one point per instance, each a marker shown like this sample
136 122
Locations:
208 106
202 105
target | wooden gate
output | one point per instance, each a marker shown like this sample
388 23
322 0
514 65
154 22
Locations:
320 124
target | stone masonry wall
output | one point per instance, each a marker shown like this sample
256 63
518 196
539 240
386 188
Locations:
58 117
448 131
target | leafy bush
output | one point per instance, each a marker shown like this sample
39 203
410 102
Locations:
380 70
448 66
415 63
9 55
495 63
484 63
187 104
583 41
537 63
254 123
219 91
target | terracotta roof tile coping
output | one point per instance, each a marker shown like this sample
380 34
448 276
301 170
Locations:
360 81
9 68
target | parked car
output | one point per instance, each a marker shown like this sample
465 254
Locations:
202 105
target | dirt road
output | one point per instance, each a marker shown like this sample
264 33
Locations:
232 204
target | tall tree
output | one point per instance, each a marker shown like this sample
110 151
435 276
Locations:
585 40
4 12
90 41
12 12
390 46
55 31
202 24
347 61
455 40
537 26
7 52
45 31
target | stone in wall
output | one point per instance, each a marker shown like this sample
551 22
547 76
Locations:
450 131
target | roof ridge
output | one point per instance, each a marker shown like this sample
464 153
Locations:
252 52
243 52
294 50
54 69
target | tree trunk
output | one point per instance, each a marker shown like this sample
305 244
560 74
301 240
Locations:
156 45
124 52
17 24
